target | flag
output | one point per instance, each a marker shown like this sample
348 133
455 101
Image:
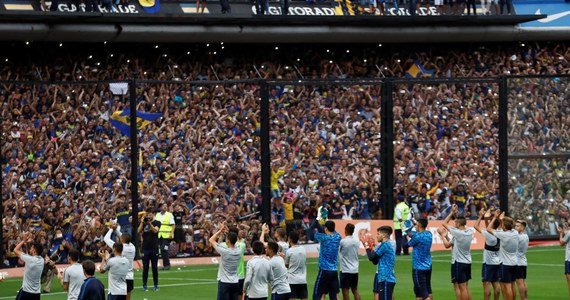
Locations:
122 121
140 169
190 8
150 6
417 70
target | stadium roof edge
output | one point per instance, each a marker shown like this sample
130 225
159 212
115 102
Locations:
96 27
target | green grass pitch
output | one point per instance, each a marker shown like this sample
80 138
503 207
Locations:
545 279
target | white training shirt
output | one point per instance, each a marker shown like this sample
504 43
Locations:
229 261
284 247
296 259
461 240
32 273
258 275
349 254
279 285
566 239
490 257
129 251
522 249
74 276
118 267
509 244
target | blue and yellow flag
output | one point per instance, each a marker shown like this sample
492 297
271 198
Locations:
417 70
150 6
121 119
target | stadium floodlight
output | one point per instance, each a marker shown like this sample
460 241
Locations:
119 88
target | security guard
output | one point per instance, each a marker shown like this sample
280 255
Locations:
401 215
165 233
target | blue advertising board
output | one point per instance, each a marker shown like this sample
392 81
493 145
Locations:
558 12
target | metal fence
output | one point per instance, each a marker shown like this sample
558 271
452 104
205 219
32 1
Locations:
242 148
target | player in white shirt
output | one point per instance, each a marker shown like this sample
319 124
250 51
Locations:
348 256
296 263
509 241
279 236
129 253
565 241
118 267
520 227
73 277
258 274
491 261
461 237
228 281
280 289
34 265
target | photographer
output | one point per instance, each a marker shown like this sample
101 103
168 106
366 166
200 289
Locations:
148 228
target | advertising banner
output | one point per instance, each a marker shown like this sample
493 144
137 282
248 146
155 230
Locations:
558 12
150 7
362 227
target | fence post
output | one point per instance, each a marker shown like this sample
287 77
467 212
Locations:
134 164
265 153
387 152
1 193
503 145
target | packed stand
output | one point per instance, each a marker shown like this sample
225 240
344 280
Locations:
539 193
446 147
66 169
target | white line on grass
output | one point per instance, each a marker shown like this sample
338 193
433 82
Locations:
161 286
185 279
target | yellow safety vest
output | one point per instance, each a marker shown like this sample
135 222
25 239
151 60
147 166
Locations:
165 227
405 213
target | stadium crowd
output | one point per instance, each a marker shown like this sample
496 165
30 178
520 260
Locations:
66 168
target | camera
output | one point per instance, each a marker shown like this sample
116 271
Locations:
146 219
